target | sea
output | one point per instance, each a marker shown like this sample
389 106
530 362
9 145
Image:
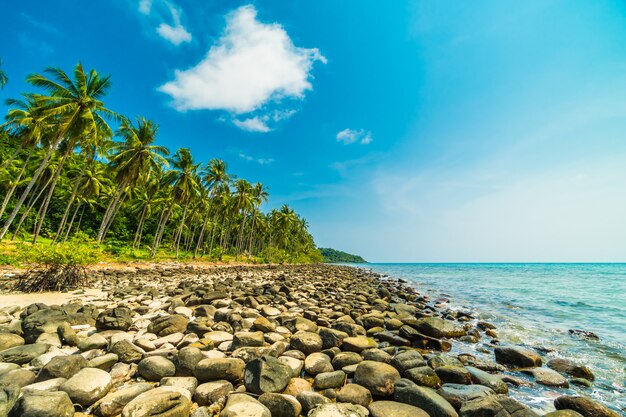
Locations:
535 305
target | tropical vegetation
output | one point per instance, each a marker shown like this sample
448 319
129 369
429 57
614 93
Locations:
73 170
337 256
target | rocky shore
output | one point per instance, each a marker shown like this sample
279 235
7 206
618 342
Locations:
281 341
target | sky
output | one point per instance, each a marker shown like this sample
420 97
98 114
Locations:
404 131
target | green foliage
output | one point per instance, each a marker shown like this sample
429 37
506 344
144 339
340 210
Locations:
71 253
337 256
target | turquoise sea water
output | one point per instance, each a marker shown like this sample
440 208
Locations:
535 305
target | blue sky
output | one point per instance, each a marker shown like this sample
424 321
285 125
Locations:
403 131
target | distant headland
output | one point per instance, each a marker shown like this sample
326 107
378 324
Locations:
334 256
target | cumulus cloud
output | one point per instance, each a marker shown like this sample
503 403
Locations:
145 6
252 64
349 136
252 124
177 33
260 161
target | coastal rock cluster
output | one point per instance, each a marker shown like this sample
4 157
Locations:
269 341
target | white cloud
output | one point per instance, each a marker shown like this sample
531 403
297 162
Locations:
253 63
349 136
176 34
145 6
252 124
260 161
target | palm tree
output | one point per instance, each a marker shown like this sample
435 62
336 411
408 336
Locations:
3 77
243 201
137 158
260 195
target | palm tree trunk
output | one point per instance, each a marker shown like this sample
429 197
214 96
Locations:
113 214
29 187
140 227
160 229
79 180
69 227
46 203
251 232
180 229
7 197
108 212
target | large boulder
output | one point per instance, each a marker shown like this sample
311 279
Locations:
45 320
44 404
306 342
458 394
395 409
166 325
425 398
585 406
23 354
62 366
87 386
155 368
213 369
517 357
112 404
210 392
496 406
158 402
114 319
377 377
438 328
492 381
266 374
571 368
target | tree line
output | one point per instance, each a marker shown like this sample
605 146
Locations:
74 169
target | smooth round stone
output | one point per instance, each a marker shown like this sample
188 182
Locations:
306 342
407 359
64 366
281 405
48 404
9 395
296 386
395 409
23 354
548 377
517 357
9 340
87 386
457 394
112 404
358 343
585 406
296 365
229 369
47 385
104 362
242 405
19 377
95 341
210 392
218 337
266 374
326 380
454 374
189 383
339 410
127 352
345 359
155 368
424 376
316 363
377 377
354 394
310 400
492 381
425 398
158 402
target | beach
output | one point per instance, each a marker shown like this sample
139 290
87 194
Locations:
310 340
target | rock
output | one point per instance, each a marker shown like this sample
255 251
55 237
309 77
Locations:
424 376
407 359
95 341
377 377
585 406
230 369
158 402
264 325
306 342
296 365
114 319
545 376
496 405
316 363
582 382
42 321
563 413
47 385
492 381
104 362
297 324
63 366
242 405
67 334
8 397
189 383
156 367
438 328
23 354
281 405
425 398
517 357
187 360
571 368
331 337
327 380
87 386
248 339
19 377
44 404
310 400
112 404
395 409
339 410
210 392
454 375
358 343
166 325
457 394
127 352
266 374
584 334
9 340
345 359
354 394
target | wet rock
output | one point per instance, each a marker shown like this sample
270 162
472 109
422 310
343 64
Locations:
354 394
425 398
242 405
438 328
584 334
563 413
210 392
40 404
112 404
23 354
158 402
358 343
377 377
230 369
492 381
155 368
496 406
63 366
458 394
545 376
281 405
339 410
571 368
517 357
407 359
424 376
454 374
114 319
87 386
266 374
395 409
585 406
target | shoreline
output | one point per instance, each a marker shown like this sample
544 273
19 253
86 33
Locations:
345 320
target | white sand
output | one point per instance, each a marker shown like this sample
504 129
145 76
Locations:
50 298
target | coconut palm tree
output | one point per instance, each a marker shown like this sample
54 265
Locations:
3 77
260 195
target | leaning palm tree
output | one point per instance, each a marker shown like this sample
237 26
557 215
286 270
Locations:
260 195
137 158
3 77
